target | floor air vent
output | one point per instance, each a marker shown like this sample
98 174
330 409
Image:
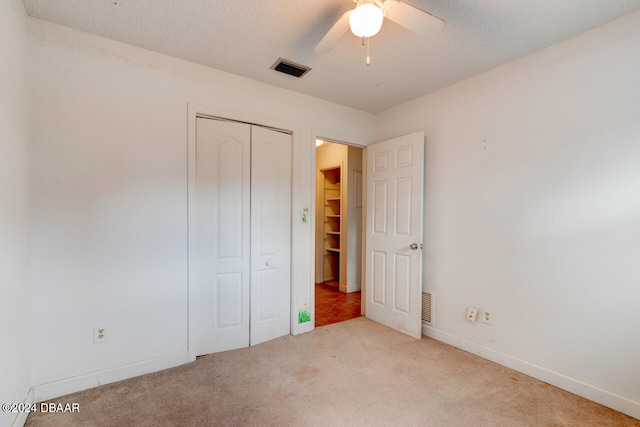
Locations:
427 308
291 68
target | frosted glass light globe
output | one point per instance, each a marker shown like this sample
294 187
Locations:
366 19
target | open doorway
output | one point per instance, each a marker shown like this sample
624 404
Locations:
338 219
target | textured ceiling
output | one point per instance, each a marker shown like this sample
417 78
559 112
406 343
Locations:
245 38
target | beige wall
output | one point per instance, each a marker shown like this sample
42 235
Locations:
533 211
109 198
15 355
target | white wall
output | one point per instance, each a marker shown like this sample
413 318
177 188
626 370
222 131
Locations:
15 330
533 211
109 198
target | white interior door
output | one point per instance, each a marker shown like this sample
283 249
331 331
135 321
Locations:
271 234
395 171
219 238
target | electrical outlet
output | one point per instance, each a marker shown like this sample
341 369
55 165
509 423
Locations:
487 316
472 314
99 334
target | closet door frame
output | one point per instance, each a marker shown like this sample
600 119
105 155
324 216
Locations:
197 110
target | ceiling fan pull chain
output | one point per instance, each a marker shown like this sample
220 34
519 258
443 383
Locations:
365 41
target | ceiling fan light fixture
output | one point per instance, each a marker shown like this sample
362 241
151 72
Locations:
366 19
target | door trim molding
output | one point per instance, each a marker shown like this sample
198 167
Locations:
224 119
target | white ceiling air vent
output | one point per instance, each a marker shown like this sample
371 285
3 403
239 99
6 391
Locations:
291 68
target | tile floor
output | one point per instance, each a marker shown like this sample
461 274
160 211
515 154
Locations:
333 306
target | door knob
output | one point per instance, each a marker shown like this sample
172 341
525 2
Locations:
268 263
414 246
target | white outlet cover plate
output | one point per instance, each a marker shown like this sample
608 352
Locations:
472 314
487 316
99 334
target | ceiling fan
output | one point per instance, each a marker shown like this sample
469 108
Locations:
366 20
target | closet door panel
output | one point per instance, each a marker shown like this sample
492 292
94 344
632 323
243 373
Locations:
219 271
271 235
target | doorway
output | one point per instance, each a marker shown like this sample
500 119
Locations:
339 214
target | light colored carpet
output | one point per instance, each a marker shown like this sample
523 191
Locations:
354 373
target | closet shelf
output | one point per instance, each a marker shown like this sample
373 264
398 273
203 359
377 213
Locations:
334 249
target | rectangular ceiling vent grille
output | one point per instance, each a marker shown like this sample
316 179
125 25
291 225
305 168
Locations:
427 308
291 68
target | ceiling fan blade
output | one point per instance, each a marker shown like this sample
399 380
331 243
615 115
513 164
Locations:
420 22
335 33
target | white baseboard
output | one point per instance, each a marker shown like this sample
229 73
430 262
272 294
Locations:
71 385
21 417
588 391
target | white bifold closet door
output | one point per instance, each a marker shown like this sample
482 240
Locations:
239 232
